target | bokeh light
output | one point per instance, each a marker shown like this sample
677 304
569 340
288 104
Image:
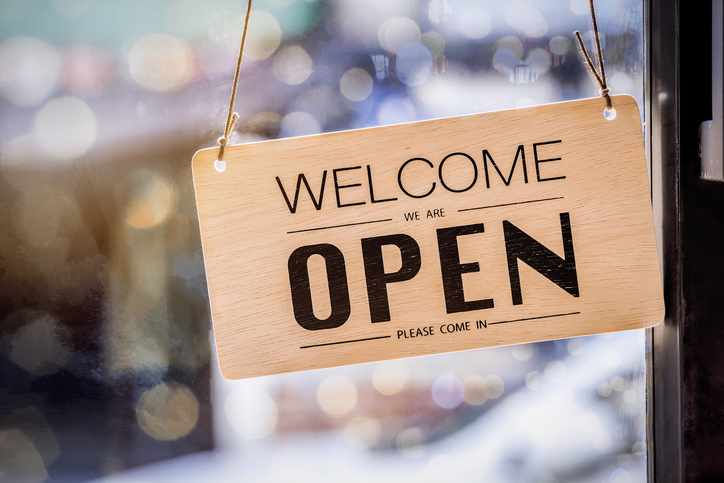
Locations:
612 358
477 389
87 70
522 352
390 377
413 64
337 396
41 345
556 372
496 385
299 123
513 44
292 65
559 45
579 7
356 84
576 347
263 37
66 127
362 433
448 391
29 69
605 389
434 42
167 412
532 380
161 62
520 15
396 110
398 31
412 443
474 23
251 411
150 199
19 459
438 11
618 383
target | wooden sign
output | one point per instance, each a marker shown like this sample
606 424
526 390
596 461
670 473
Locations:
434 236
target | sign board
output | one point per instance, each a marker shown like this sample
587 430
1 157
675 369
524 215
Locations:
434 236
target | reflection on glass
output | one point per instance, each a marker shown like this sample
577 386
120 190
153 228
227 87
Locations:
106 365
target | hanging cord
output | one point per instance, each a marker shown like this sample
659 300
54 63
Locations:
604 89
232 116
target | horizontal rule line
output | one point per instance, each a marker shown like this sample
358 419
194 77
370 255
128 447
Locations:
533 318
510 204
345 342
338 226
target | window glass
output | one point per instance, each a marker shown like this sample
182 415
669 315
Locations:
107 365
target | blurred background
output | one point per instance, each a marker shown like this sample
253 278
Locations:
107 365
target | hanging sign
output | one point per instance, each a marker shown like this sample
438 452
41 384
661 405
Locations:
434 236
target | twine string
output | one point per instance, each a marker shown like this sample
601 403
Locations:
232 116
600 79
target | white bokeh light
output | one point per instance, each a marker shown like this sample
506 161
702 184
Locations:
390 377
362 433
356 84
559 45
29 69
66 127
522 352
251 411
521 16
398 31
579 7
161 62
292 65
474 23
337 396
299 123
556 372
448 391
262 39
396 110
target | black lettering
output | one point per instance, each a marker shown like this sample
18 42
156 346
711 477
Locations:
300 178
538 161
520 246
336 282
372 191
375 275
399 178
337 186
452 269
442 180
520 152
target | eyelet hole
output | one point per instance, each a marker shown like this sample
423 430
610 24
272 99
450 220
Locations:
220 165
610 114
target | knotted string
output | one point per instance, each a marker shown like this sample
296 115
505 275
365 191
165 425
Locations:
232 116
603 87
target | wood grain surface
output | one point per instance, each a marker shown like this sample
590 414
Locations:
427 238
